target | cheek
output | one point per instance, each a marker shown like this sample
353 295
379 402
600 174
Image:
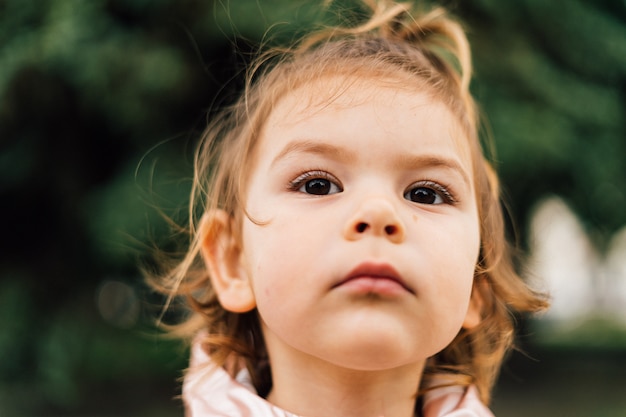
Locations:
468 243
275 269
456 244
467 257
457 254
272 258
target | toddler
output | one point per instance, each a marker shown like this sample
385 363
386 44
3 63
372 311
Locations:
348 253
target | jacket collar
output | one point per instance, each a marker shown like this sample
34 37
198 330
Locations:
209 391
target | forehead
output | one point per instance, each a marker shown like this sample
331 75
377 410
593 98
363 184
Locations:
335 107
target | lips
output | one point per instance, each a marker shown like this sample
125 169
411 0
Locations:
373 277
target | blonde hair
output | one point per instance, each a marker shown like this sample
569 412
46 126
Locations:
428 52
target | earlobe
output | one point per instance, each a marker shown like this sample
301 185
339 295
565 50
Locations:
221 255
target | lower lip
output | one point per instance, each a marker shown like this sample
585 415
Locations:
373 285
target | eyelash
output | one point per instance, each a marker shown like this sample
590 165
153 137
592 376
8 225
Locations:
441 189
301 179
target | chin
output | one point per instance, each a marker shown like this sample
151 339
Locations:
376 362
376 353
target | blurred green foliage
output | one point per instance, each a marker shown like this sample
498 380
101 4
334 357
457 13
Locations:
101 102
551 79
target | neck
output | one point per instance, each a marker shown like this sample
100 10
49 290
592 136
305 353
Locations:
323 389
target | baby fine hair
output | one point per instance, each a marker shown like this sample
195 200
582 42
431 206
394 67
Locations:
423 52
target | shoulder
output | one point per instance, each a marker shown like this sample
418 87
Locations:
454 401
209 391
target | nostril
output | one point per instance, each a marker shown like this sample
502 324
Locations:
391 230
361 227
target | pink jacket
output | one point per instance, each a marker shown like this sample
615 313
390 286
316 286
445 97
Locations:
210 392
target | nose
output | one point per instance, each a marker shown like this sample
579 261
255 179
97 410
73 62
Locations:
375 217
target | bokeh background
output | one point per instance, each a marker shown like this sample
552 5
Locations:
101 104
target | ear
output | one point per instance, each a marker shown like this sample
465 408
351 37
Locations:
222 256
474 316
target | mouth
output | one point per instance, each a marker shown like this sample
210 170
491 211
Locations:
374 278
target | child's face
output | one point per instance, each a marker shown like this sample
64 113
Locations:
368 238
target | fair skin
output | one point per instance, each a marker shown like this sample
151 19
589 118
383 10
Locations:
361 256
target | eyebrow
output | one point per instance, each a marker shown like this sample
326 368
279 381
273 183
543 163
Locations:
433 161
315 148
338 153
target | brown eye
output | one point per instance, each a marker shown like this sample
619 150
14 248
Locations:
318 186
423 195
429 192
316 183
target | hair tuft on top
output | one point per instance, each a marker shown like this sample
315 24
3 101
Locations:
426 52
